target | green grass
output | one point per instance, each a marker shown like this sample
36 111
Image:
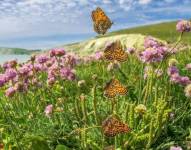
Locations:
23 124
165 31
23 121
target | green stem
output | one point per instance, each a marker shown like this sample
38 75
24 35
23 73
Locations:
95 105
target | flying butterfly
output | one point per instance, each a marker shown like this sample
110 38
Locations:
114 88
115 51
112 126
101 21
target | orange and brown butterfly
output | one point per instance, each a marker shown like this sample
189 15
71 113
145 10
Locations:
101 21
114 88
113 126
115 52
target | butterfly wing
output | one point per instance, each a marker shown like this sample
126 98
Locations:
119 88
109 51
109 90
101 22
115 52
113 126
119 53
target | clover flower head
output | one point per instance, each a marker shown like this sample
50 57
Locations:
3 79
48 110
188 67
42 59
172 70
57 52
131 50
10 73
187 90
151 42
183 26
184 80
175 148
175 78
140 109
81 82
172 62
10 91
98 55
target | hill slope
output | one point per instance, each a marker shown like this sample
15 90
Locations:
16 51
165 31
130 37
97 44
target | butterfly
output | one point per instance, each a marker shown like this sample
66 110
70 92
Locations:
115 51
113 88
112 126
101 22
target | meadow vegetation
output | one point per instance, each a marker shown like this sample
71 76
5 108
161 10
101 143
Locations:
59 101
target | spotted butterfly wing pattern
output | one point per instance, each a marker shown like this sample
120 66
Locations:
112 126
101 21
115 51
114 88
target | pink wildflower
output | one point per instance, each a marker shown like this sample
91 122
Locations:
48 110
183 26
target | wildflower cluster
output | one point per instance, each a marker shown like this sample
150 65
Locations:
175 76
154 51
19 77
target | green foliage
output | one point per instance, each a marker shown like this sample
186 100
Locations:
78 111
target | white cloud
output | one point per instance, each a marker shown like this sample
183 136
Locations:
27 18
144 2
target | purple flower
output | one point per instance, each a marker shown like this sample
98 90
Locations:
151 42
69 60
5 65
42 59
3 80
51 80
10 74
151 55
172 70
184 80
67 73
183 26
48 110
98 55
10 92
57 52
175 78
175 148
131 50
24 70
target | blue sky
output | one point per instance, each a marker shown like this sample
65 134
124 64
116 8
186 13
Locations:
49 23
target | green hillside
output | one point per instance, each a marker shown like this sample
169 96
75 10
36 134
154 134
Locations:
130 37
16 51
165 31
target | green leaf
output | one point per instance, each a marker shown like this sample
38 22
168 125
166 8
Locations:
61 147
38 143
